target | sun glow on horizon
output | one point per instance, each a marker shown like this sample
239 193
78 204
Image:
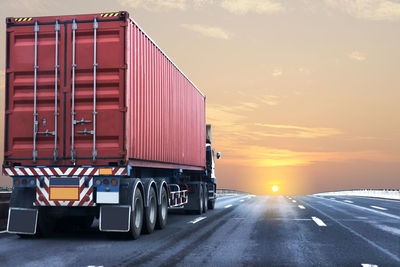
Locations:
275 188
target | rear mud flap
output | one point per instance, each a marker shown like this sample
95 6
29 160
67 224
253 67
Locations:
22 221
115 218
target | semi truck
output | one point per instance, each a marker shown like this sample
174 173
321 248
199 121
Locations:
100 123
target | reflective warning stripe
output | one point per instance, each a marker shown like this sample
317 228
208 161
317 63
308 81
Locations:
56 171
22 19
107 15
85 194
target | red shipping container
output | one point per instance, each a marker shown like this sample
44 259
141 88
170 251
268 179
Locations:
145 112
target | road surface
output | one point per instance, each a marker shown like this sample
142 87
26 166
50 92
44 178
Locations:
242 230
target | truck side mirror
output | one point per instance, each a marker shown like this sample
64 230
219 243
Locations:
218 155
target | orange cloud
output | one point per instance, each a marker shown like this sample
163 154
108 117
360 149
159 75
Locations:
260 156
277 72
242 7
355 55
279 130
154 5
208 31
368 9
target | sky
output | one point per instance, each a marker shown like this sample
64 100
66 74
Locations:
301 94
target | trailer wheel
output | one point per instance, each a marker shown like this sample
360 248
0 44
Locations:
162 210
136 215
205 199
150 214
211 204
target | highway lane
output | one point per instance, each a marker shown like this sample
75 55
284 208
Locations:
385 204
242 230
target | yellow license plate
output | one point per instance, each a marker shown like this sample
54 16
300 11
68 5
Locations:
64 193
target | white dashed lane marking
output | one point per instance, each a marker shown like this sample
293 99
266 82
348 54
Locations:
294 201
368 265
379 208
197 220
301 207
318 221
228 206
348 201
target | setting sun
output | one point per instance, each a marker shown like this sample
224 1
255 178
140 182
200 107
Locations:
275 188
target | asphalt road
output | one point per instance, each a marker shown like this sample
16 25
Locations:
241 231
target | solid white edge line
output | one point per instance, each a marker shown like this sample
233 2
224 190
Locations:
318 221
377 207
197 220
302 207
228 206
2 232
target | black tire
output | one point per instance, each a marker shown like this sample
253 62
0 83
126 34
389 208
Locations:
201 200
162 210
85 222
136 215
205 199
211 204
150 213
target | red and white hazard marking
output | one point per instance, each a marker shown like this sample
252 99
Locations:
52 171
85 194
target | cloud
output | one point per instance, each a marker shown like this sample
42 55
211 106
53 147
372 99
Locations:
154 5
368 9
261 156
201 3
244 143
270 100
242 7
238 7
208 31
355 55
38 7
277 72
280 130
243 106
304 70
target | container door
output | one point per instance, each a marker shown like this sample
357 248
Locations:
33 130
96 118
65 101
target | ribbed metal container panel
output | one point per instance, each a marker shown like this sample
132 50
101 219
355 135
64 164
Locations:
166 111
